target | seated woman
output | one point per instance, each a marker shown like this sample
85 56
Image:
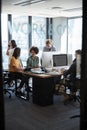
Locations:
33 60
49 46
16 69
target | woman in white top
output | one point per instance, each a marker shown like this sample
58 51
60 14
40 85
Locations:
11 46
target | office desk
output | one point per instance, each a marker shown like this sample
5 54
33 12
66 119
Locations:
43 88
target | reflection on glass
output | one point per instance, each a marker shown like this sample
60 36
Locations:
4 40
74 35
20 34
38 31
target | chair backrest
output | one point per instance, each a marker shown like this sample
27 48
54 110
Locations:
69 56
78 65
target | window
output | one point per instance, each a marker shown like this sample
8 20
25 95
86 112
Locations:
39 33
20 33
74 35
4 30
64 37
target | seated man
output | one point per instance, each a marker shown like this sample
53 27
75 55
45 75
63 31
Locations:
71 72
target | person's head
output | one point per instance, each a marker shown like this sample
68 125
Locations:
12 44
78 52
48 43
34 50
16 52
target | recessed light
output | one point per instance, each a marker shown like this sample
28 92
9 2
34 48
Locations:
56 8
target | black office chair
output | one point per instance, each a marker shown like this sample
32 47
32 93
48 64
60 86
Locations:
59 88
72 90
8 85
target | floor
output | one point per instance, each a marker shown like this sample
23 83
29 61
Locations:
24 115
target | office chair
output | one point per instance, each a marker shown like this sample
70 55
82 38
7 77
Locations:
72 90
8 87
10 84
59 88
72 81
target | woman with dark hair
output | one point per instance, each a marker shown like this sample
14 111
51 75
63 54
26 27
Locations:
11 46
15 68
15 64
33 60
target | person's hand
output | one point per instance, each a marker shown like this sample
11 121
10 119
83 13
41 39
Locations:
62 70
8 46
20 69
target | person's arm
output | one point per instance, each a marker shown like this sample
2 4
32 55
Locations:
37 62
15 66
28 63
72 69
18 69
44 49
7 51
53 49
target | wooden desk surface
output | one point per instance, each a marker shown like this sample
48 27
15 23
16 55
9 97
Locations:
45 75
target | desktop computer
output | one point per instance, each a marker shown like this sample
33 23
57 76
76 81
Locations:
46 59
53 59
60 60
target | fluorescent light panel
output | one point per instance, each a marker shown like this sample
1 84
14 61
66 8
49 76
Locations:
73 9
34 2
28 2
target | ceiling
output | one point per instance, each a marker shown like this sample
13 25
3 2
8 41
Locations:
47 8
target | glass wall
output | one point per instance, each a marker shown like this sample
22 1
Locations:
20 32
4 29
64 39
74 35
20 29
60 34
39 33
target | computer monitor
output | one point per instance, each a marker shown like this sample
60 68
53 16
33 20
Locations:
59 60
46 59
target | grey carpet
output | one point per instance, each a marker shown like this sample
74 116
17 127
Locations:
24 115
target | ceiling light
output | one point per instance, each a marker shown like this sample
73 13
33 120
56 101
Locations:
56 8
28 2
73 9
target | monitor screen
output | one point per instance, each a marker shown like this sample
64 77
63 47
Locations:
59 60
